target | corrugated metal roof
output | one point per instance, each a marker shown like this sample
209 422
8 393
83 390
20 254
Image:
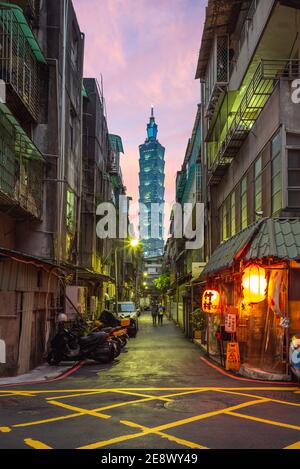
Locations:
224 256
279 238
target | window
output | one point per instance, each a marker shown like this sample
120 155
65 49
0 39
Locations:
224 234
244 203
232 215
276 175
258 186
294 178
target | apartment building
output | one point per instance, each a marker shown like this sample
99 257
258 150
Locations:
185 264
248 60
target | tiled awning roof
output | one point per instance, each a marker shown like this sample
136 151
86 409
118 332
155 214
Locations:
224 256
278 238
275 238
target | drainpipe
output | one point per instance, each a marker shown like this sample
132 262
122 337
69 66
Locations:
61 166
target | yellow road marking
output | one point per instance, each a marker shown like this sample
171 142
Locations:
100 390
5 429
257 397
75 395
269 422
177 423
294 446
180 441
51 420
129 393
36 444
82 411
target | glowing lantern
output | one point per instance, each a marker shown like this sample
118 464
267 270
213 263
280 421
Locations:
210 301
254 284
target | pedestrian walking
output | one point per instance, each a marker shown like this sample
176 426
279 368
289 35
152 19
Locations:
154 312
161 312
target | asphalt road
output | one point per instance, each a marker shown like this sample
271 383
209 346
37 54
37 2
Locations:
158 395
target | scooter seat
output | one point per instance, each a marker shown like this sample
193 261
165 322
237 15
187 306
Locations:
95 337
107 329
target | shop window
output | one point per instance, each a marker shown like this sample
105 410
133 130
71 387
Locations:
244 203
276 175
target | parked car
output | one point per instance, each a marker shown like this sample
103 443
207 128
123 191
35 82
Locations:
128 310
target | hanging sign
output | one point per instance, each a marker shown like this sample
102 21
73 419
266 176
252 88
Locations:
230 323
210 301
233 361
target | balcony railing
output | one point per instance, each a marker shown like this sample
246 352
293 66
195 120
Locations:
20 58
259 90
21 169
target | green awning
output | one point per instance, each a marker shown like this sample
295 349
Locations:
23 143
84 92
116 143
21 20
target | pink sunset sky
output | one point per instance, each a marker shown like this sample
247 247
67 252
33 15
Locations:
146 52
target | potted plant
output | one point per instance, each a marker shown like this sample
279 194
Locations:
198 321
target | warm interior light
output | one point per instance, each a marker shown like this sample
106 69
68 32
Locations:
254 284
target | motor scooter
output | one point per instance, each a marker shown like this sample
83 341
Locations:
68 345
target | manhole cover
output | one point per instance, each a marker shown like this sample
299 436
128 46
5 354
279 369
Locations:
194 406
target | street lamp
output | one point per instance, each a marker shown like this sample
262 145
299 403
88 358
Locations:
134 243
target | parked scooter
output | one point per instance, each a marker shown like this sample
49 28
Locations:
295 357
69 345
110 320
117 334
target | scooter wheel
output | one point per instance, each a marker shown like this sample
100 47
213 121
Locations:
123 341
53 359
117 349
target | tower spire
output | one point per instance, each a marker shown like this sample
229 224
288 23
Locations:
152 126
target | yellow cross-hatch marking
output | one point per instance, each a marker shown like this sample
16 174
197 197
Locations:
93 412
261 420
100 390
140 392
81 411
177 423
180 441
257 397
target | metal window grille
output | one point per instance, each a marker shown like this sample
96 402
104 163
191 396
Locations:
19 67
21 178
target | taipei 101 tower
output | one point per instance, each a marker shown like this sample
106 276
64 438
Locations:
152 191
